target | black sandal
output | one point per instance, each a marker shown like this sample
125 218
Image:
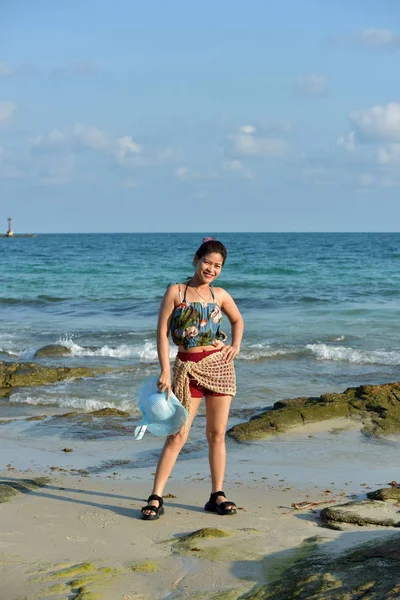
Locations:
224 508
157 510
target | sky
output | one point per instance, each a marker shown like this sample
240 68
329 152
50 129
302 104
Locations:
126 116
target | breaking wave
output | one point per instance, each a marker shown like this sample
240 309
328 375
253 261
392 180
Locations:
352 355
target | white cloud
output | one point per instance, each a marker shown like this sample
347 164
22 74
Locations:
311 85
54 139
188 174
90 136
127 150
347 141
6 112
5 69
379 38
235 166
232 165
247 129
389 155
185 174
83 135
378 122
246 143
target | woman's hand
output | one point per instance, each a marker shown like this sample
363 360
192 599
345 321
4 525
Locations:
230 352
164 383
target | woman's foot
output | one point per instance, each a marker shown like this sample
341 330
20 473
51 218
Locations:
154 508
219 504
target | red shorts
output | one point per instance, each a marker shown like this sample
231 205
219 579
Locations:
197 390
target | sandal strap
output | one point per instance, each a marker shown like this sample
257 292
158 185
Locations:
215 495
228 505
155 497
154 509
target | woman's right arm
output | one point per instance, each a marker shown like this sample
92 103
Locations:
163 326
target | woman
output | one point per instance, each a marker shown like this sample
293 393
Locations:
191 311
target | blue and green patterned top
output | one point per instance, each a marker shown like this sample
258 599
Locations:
195 324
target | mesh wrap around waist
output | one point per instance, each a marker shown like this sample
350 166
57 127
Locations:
212 372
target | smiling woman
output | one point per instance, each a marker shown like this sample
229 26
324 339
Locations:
203 368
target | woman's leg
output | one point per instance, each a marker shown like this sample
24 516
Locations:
172 447
217 412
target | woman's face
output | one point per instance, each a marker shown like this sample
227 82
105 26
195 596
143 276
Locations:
208 267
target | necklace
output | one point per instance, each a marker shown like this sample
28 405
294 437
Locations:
202 297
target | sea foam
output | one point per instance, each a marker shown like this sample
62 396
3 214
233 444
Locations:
351 355
146 352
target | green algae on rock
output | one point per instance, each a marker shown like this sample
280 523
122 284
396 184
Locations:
218 545
144 567
23 374
9 489
79 581
109 412
377 406
205 532
72 571
385 494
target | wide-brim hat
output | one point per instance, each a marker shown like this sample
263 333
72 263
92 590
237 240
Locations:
160 416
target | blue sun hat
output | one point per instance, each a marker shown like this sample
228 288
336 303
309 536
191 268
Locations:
160 416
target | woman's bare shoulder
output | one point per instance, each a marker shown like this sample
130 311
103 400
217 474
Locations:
220 294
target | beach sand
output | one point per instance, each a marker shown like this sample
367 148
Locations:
82 537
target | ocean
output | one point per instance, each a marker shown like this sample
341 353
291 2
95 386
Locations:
321 314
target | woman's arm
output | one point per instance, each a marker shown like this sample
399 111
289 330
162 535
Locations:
163 326
229 307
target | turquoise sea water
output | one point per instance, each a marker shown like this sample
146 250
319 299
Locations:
321 311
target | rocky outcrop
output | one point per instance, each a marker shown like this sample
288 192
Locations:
368 571
390 494
52 350
378 406
13 375
362 512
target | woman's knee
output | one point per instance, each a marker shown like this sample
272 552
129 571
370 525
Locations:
177 441
216 436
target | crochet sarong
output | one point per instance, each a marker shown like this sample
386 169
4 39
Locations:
212 372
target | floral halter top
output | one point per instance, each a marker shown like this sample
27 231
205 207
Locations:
195 324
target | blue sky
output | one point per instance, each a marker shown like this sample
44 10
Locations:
181 116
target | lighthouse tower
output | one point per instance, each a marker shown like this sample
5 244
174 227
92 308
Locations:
10 232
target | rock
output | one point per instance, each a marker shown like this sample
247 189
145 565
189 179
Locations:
23 374
363 512
369 571
69 415
205 532
385 494
52 350
377 406
109 412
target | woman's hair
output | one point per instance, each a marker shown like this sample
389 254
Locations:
209 245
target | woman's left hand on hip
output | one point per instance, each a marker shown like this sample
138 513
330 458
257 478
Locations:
229 352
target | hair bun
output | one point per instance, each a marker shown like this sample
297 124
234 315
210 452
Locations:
209 239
